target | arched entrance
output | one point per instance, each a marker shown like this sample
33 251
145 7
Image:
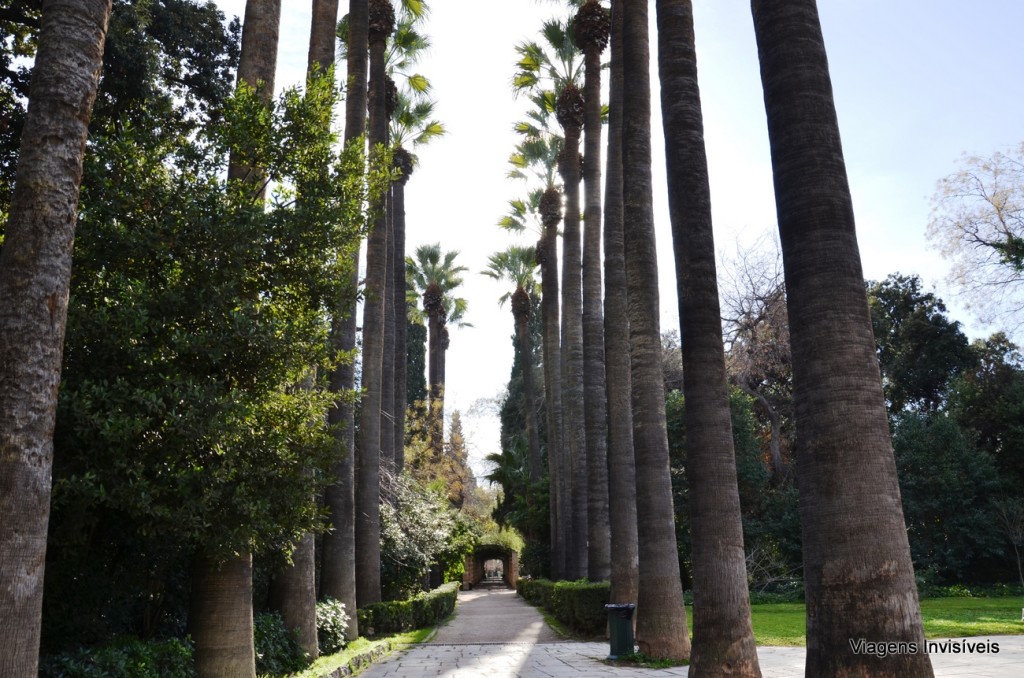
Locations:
491 561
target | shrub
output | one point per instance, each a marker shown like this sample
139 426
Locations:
126 657
396 616
331 624
277 649
577 604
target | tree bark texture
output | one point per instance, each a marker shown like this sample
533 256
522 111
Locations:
293 594
573 426
387 401
368 443
723 638
338 561
621 465
661 619
857 569
220 617
401 323
322 33
35 273
595 403
522 321
557 472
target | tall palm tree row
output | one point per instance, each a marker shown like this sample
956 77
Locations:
516 265
220 615
621 464
723 638
857 569
381 21
591 33
553 71
338 559
412 125
434 275
35 274
538 154
661 619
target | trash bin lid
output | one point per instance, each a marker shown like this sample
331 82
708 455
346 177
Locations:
620 606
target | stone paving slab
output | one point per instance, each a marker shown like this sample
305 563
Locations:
496 633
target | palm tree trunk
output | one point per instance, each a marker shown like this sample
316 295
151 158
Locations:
573 426
595 403
35 273
387 403
293 591
434 357
661 619
723 638
401 318
293 594
521 312
558 494
857 569
338 561
220 617
368 442
621 465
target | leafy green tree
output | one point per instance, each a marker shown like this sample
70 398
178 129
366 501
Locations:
920 350
989 399
946 485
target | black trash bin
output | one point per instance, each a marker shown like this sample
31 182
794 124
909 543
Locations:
620 628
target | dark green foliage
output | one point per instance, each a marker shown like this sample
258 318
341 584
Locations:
989 399
946 484
577 604
920 350
331 621
277 649
416 364
126 657
396 616
771 523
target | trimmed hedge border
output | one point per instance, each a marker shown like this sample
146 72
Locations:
577 604
398 616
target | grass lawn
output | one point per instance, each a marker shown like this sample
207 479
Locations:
325 665
783 623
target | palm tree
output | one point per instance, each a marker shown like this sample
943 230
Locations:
857 569
293 589
516 265
368 444
411 125
539 152
723 638
621 465
35 273
220 607
591 32
338 560
560 68
435 276
661 618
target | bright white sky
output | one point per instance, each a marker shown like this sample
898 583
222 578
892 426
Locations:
917 83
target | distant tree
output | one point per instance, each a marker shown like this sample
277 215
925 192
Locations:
920 350
989 398
35 274
978 224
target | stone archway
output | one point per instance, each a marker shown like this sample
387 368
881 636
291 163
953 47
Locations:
476 569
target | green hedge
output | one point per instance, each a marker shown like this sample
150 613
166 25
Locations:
125 657
396 616
577 604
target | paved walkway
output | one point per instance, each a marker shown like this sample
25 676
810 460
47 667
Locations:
495 633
